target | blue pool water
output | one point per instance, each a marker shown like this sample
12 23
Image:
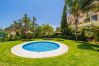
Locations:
40 46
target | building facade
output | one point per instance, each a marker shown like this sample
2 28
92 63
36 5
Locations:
88 19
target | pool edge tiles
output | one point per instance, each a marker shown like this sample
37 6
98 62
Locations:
19 51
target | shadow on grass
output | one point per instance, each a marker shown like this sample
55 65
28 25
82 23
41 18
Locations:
47 38
60 40
26 40
88 46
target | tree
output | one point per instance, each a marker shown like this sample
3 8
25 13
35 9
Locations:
26 26
57 32
47 29
38 31
34 26
83 37
0 29
64 24
34 20
77 7
2 36
96 34
26 21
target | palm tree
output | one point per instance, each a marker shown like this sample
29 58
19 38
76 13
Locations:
34 25
26 25
78 6
26 21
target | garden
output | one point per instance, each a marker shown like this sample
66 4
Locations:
82 42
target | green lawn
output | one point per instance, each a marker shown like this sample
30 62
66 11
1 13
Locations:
79 54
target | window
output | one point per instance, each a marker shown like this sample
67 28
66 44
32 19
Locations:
94 17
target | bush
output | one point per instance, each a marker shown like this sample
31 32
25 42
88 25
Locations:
3 36
82 36
96 35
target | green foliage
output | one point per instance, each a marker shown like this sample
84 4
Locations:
38 32
27 28
2 36
76 7
82 36
64 24
96 34
23 29
47 29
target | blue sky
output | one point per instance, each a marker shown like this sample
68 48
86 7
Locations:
46 11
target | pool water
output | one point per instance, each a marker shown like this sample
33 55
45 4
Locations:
41 46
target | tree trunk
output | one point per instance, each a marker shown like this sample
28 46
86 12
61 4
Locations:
76 28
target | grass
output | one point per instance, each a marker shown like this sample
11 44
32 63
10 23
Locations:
79 54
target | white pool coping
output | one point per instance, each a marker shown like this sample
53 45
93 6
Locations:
19 51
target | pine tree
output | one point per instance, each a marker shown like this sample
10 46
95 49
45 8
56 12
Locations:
64 24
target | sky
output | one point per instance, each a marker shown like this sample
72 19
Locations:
46 11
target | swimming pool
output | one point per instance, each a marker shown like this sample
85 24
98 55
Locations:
39 49
41 46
